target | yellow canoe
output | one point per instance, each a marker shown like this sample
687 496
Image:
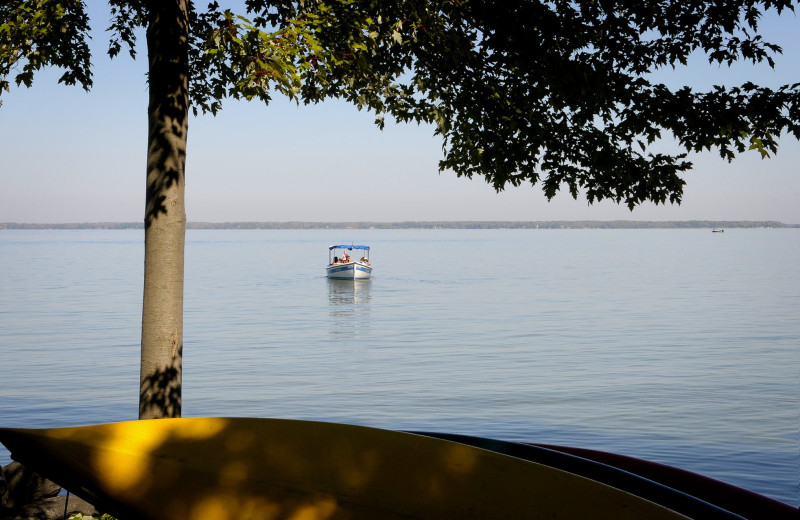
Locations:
269 469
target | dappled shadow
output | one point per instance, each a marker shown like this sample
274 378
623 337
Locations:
160 393
281 469
165 215
168 111
158 184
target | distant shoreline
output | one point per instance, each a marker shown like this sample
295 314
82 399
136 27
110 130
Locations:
461 224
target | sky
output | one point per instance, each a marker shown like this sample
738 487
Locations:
71 156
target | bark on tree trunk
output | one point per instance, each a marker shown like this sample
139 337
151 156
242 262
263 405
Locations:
165 215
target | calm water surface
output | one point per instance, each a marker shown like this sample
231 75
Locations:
679 346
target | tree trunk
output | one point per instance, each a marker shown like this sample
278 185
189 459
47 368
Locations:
165 215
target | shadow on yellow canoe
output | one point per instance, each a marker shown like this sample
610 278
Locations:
220 468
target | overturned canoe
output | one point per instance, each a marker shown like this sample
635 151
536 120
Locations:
693 495
743 502
204 468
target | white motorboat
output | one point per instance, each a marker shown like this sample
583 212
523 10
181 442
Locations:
344 266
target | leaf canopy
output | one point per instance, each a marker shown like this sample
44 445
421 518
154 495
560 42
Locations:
40 33
552 92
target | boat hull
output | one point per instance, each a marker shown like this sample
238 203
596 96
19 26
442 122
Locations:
743 502
269 469
688 493
351 271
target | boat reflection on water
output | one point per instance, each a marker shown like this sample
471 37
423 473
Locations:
348 301
348 293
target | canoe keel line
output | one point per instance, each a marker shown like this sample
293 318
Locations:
269 469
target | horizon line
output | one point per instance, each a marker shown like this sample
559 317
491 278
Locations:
410 224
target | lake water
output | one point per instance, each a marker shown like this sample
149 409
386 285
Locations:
679 346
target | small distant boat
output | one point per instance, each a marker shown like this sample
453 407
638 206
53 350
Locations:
342 266
715 230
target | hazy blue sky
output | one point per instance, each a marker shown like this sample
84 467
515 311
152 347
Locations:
71 156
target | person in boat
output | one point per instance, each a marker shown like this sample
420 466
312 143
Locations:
345 257
363 260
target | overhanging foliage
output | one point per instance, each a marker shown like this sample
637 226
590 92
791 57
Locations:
548 92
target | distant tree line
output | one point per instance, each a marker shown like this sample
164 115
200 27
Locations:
461 224
74 225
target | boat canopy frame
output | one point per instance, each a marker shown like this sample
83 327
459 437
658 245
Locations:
350 247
